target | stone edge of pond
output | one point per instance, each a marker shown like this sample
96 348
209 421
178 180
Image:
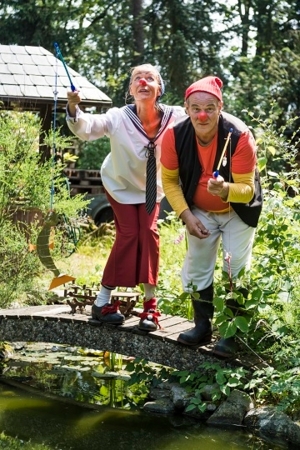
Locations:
237 410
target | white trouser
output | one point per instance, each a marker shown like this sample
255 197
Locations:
200 260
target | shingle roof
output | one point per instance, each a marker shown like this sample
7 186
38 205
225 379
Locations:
31 74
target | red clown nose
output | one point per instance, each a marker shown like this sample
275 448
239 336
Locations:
202 116
143 82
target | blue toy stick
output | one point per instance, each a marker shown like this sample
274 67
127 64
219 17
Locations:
60 56
216 172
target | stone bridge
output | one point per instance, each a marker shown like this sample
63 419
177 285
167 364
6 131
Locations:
57 324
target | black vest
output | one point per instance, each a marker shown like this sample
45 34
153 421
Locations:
190 168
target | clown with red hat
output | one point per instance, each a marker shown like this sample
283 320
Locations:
214 208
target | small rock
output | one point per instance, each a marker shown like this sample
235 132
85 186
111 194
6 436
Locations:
232 411
157 392
161 406
273 423
179 396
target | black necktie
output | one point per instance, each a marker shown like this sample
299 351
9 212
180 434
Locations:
151 183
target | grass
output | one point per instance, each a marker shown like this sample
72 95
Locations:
87 263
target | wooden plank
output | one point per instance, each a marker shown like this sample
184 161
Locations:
31 310
79 317
173 331
131 321
164 320
58 309
167 321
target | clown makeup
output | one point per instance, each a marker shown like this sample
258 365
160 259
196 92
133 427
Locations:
202 116
144 74
145 80
204 109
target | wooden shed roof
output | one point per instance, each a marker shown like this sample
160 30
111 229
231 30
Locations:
33 79
29 76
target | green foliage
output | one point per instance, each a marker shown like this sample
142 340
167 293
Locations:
275 273
18 267
277 148
25 179
92 154
234 304
280 388
173 249
14 443
144 374
29 188
222 381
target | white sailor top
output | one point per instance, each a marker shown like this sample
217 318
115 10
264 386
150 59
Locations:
123 171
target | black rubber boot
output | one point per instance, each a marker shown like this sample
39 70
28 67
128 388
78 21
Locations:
226 347
203 314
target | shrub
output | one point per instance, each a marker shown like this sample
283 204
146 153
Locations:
33 188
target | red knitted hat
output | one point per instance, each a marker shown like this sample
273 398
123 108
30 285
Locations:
212 85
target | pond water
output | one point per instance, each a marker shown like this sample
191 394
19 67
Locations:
74 408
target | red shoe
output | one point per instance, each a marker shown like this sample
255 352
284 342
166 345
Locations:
149 317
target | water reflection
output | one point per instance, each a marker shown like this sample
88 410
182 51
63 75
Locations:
66 427
99 381
84 375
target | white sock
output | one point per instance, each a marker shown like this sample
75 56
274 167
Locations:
149 290
103 297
